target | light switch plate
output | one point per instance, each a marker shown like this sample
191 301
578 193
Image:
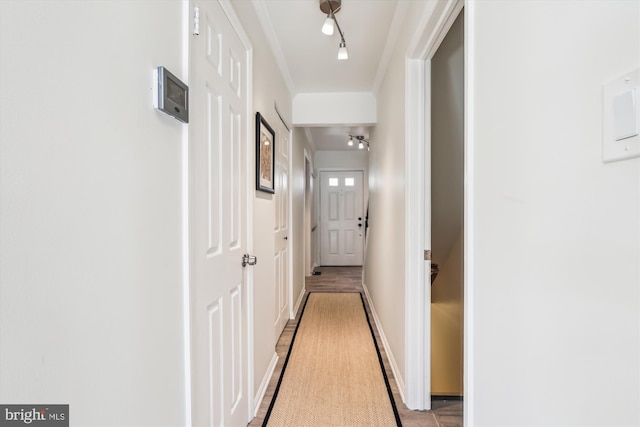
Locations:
621 116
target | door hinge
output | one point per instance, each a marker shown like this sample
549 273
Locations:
427 255
196 20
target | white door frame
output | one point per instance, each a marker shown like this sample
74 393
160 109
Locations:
292 236
435 24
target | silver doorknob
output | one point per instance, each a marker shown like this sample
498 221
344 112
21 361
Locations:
249 260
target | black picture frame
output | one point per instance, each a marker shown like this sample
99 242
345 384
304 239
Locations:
265 155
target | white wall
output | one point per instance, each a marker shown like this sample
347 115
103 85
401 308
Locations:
556 236
91 305
346 160
336 108
385 262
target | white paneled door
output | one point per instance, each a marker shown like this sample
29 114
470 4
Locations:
281 228
341 218
218 158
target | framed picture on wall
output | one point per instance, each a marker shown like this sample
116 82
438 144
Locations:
265 155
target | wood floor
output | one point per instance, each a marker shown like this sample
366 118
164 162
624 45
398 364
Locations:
349 279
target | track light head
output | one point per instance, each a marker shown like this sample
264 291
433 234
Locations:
342 51
328 26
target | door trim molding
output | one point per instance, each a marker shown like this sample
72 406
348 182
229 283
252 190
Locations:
292 232
307 233
434 25
469 209
417 300
186 225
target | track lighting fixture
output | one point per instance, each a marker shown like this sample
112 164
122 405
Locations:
362 143
330 7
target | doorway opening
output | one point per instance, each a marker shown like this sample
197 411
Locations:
447 215
418 202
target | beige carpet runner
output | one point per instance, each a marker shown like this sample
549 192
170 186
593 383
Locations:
333 374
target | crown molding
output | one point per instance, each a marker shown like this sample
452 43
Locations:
269 32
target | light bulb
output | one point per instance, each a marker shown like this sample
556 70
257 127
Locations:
327 27
360 145
342 52
350 143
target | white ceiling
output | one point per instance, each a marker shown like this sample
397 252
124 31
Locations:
308 58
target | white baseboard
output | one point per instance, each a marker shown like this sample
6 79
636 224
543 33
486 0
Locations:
298 303
265 382
385 344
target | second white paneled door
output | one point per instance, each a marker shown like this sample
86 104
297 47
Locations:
341 218
281 226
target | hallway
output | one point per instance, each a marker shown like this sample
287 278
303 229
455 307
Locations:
98 202
349 279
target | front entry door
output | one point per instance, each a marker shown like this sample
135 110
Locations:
341 218
218 158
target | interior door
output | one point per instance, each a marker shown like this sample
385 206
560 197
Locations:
341 218
281 227
218 158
